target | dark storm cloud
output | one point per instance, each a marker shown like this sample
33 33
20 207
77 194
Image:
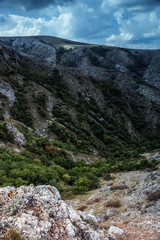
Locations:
33 4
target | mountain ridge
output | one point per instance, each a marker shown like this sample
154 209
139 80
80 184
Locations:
79 103
80 118
58 39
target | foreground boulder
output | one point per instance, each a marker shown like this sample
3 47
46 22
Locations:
39 213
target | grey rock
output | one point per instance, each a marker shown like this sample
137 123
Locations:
38 212
115 230
2 144
18 137
7 90
83 68
106 189
156 157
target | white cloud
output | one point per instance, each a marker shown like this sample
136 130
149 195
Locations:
82 21
25 26
116 39
109 4
140 29
114 22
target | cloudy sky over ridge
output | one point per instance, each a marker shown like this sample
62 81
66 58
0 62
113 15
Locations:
124 23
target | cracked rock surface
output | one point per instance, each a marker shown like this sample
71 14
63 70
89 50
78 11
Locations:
39 213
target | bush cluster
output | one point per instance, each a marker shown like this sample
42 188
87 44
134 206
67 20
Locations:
20 110
153 196
113 203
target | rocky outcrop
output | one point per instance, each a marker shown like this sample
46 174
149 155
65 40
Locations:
7 91
39 213
115 231
137 216
82 69
18 137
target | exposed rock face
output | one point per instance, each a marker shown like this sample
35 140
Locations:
131 78
121 87
39 213
115 230
7 91
18 137
153 76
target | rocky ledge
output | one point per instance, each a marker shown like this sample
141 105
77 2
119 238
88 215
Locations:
37 212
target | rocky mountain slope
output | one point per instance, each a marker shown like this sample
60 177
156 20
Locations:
61 99
127 201
112 91
125 207
71 115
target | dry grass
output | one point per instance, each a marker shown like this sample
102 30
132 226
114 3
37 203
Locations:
121 237
104 226
119 187
82 208
153 196
95 200
113 203
109 184
13 235
67 196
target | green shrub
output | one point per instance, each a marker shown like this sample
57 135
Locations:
20 110
1 116
3 134
81 185
13 235
154 195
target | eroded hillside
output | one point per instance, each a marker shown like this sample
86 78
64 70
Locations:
66 104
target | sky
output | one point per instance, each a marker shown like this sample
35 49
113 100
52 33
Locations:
122 23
